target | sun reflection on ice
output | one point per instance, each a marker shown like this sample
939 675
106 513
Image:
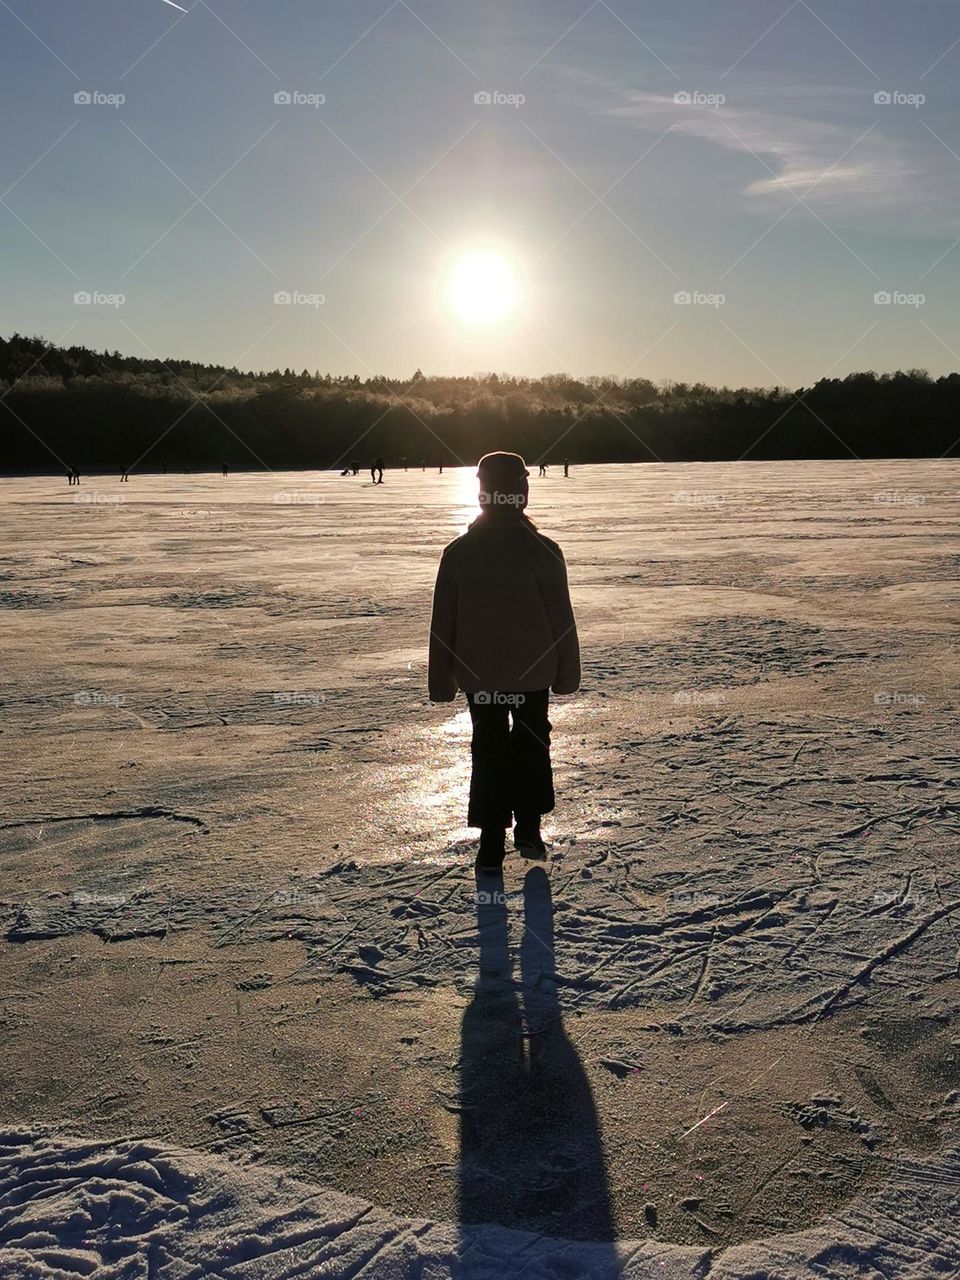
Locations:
465 497
436 795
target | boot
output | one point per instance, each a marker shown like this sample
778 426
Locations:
492 850
527 839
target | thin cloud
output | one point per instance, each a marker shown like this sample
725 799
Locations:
854 171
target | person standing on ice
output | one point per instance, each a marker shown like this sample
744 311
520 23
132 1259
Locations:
503 631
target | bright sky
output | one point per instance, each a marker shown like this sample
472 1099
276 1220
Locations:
547 230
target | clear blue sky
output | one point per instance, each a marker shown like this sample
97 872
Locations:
798 198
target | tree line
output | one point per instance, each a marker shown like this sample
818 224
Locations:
67 407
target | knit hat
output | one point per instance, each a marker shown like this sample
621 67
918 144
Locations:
502 469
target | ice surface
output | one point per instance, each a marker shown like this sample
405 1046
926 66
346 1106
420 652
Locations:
70 1208
239 916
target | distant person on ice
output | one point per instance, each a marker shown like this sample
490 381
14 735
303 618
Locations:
503 631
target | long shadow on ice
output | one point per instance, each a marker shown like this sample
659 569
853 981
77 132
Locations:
531 1156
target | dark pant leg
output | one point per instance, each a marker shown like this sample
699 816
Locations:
490 749
530 771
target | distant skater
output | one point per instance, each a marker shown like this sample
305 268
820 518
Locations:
224 469
376 471
423 464
355 464
441 468
124 476
504 632
543 468
404 461
566 468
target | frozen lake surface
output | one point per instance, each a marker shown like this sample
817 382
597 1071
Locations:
240 928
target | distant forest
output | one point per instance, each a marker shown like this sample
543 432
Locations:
102 411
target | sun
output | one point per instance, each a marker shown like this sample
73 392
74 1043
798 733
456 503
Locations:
481 287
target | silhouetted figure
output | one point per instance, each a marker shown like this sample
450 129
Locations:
224 469
423 464
355 466
345 471
503 631
531 1154
376 471
543 468
164 468
124 476
441 468
566 468
404 461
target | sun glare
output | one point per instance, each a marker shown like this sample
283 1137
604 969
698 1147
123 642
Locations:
481 287
466 495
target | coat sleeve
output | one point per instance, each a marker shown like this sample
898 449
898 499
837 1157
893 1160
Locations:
442 681
564 627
